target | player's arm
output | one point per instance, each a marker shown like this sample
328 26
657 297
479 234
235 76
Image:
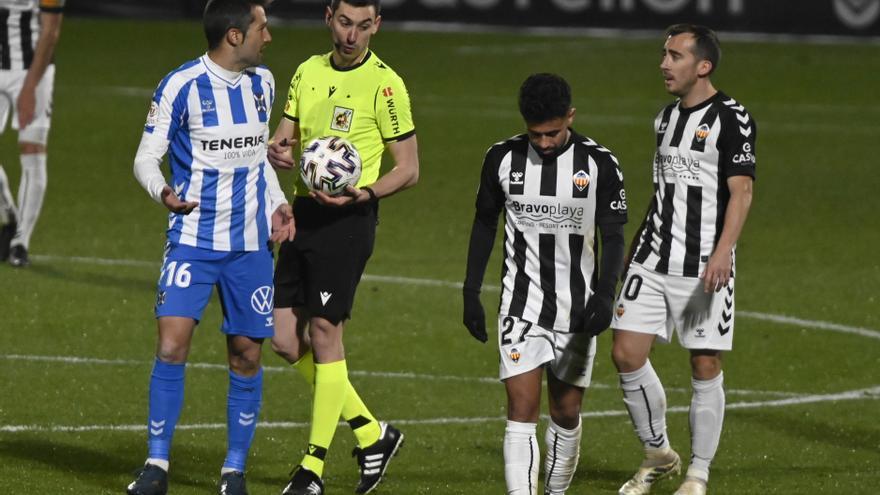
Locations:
736 160
717 272
282 143
489 203
611 215
160 125
50 31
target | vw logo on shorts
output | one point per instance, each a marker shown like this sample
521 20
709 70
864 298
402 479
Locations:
262 299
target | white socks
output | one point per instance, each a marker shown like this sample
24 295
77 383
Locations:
162 463
706 420
7 204
521 458
645 400
563 450
30 196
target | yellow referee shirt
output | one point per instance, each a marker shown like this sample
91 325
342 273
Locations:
366 104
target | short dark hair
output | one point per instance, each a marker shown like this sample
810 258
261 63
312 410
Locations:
706 44
222 15
334 4
544 97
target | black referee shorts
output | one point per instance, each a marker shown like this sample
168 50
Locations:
320 269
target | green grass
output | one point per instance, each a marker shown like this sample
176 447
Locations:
808 250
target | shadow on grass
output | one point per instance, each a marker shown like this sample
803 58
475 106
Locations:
105 466
845 436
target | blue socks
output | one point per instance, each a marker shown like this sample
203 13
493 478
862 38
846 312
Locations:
166 401
242 409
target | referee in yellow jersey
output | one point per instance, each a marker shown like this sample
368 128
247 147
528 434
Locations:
351 93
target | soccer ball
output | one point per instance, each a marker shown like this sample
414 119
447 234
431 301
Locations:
329 164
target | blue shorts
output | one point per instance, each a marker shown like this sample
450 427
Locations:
243 280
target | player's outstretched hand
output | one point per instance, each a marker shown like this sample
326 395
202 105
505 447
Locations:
281 154
597 314
283 225
474 316
174 204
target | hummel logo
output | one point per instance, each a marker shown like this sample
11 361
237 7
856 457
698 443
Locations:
325 296
246 419
157 427
332 90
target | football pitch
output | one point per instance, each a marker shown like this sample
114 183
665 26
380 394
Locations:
77 335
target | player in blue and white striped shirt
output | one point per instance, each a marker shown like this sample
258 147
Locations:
210 116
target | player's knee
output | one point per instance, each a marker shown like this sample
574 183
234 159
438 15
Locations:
244 365
705 366
566 415
624 359
323 333
171 353
27 148
285 349
523 411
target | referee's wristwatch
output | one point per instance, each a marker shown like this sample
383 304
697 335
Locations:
372 193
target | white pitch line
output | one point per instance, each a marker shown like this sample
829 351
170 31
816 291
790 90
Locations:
380 374
872 393
427 282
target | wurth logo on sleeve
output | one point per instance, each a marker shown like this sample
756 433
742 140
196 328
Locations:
387 92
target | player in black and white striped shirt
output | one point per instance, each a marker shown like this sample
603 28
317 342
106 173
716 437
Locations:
29 31
680 276
556 188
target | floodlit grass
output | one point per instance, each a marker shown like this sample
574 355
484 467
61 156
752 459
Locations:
808 251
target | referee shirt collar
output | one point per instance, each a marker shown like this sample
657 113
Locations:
353 67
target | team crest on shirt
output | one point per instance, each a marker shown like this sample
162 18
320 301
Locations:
260 102
153 115
342 118
702 132
581 180
515 355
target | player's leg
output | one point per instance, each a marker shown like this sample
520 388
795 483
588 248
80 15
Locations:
8 212
166 402
706 329
242 409
524 350
568 376
184 287
706 418
641 316
521 451
563 437
32 188
246 294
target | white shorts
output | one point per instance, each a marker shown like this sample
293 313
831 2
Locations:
659 304
10 85
524 347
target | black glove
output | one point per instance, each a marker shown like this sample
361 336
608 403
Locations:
597 314
474 316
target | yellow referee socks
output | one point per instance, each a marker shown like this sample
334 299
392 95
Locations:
331 384
365 426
